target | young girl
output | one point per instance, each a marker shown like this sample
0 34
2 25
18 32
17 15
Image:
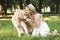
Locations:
39 26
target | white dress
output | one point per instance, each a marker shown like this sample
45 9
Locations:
43 29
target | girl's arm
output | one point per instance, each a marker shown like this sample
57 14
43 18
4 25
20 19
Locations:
38 19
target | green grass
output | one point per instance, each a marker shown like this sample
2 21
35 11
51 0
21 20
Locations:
8 31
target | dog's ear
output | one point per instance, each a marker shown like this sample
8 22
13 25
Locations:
20 13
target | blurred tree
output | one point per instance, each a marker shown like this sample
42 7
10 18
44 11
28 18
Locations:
45 4
5 4
57 3
21 4
52 6
40 5
4 8
27 2
35 3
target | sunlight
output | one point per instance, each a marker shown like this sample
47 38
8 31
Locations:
46 9
52 18
46 18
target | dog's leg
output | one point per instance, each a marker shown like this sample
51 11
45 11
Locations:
24 27
16 25
19 32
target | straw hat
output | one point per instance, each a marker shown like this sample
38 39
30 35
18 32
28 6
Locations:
32 8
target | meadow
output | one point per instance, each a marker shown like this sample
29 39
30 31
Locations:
8 31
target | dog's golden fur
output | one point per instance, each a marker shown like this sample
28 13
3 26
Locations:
16 19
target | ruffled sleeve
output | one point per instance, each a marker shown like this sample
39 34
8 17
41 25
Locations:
38 19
